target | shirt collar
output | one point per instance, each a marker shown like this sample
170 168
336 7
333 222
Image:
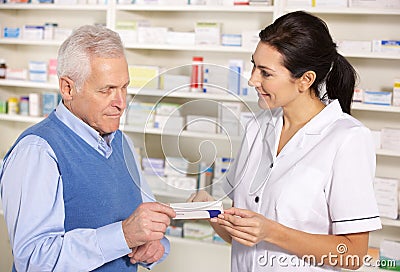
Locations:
88 134
327 116
318 123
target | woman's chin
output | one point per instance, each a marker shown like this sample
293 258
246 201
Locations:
263 104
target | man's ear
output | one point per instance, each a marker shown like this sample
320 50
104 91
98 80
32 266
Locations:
306 81
66 88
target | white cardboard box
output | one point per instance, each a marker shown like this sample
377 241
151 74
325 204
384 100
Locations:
197 210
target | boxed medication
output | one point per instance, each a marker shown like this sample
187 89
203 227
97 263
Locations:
127 30
200 123
33 32
386 46
144 76
49 103
175 231
48 33
298 3
234 75
197 210
329 3
387 193
153 166
180 38
175 83
152 35
156 182
169 123
61 33
188 184
16 73
390 139
140 114
176 166
215 79
229 117
11 32
207 33
231 40
378 98
37 71
221 165
169 109
358 95
146 2
355 46
396 92
374 3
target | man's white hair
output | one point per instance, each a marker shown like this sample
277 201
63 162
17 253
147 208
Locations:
85 43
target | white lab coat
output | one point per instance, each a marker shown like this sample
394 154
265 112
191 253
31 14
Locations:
321 183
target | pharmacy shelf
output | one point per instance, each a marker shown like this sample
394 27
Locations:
349 11
389 153
202 48
17 41
368 107
181 240
20 118
191 95
28 84
173 196
184 133
390 222
197 8
20 6
371 55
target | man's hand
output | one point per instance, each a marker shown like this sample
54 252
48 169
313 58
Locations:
147 253
147 223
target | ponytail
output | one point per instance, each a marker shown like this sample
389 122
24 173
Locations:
340 82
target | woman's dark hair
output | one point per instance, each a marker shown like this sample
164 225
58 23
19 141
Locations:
305 44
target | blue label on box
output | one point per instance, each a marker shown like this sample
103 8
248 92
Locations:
391 43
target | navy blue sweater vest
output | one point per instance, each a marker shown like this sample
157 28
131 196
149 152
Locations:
97 191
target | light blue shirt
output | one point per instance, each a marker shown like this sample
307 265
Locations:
32 192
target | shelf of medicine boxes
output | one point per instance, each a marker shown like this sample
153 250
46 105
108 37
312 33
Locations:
192 95
30 42
193 8
202 48
20 6
349 10
196 8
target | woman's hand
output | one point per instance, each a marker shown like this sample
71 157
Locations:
244 226
200 196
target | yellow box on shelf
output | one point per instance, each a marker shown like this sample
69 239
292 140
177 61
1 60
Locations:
144 76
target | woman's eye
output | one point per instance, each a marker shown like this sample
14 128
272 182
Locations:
264 73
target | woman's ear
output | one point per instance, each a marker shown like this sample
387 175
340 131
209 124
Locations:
66 88
306 81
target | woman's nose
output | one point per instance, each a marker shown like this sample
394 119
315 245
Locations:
253 81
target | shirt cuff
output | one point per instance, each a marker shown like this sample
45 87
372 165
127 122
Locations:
165 243
354 226
112 241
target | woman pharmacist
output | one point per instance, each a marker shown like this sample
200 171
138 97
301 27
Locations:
302 181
